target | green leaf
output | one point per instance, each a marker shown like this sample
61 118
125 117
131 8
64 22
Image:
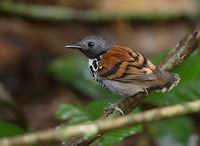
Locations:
172 132
72 114
188 88
9 129
190 69
177 131
91 111
82 113
95 108
116 136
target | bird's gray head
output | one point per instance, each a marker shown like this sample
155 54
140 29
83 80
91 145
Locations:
92 46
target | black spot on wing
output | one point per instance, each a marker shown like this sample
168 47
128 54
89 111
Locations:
113 70
124 81
145 61
129 53
134 57
136 66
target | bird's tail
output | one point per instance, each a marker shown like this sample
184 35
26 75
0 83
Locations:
167 81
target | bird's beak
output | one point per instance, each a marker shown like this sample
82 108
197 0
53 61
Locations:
73 47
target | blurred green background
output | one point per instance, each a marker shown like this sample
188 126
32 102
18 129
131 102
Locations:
44 85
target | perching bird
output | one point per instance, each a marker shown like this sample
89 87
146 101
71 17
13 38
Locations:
121 69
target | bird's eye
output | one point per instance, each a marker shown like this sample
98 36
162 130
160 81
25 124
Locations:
90 44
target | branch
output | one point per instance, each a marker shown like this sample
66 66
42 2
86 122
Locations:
102 126
60 14
184 48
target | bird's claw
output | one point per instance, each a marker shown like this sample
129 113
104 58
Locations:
145 91
113 107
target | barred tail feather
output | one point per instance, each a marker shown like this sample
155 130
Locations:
169 80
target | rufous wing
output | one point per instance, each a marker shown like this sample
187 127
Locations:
121 63
126 65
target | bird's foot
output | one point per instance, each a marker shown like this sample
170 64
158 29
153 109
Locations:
145 91
112 108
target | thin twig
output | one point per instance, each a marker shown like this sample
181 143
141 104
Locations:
183 49
104 125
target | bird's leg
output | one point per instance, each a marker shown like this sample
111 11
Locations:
113 106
